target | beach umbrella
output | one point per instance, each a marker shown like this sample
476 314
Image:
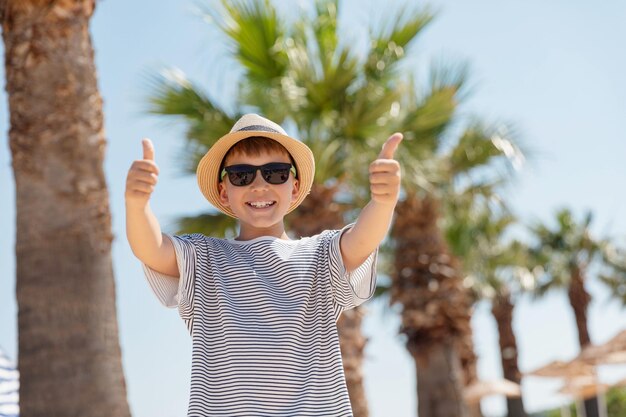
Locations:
611 352
474 392
561 369
9 387
570 371
584 387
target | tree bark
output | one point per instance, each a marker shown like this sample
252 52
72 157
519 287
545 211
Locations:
352 343
69 354
469 362
579 299
439 394
502 310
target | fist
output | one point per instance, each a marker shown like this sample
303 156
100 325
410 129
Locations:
385 173
142 176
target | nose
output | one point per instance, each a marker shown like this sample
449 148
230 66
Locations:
259 182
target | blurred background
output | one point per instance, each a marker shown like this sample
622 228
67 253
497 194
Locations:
537 84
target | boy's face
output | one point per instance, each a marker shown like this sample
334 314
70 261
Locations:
238 198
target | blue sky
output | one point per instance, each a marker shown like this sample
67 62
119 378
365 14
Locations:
554 69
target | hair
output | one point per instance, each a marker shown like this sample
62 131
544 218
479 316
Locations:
255 146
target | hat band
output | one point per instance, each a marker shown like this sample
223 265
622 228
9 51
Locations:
259 127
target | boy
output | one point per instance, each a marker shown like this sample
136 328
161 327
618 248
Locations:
261 308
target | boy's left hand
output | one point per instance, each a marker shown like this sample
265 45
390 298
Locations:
385 173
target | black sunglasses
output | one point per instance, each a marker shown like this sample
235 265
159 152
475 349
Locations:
273 173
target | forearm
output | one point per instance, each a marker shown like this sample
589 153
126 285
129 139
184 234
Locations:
366 235
144 233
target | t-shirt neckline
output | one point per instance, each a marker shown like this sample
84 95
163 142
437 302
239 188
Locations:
258 239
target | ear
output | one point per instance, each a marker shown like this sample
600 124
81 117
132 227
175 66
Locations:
223 193
295 189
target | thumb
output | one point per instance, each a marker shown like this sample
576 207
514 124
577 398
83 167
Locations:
148 149
389 147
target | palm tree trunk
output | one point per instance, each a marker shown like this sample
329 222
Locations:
469 367
352 343
69 353
502 310
435 312
318 213
438 394
579 299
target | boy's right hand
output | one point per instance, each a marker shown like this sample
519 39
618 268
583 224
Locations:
142 177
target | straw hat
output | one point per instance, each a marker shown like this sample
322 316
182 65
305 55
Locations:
247 126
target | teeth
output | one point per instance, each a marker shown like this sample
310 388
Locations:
260 204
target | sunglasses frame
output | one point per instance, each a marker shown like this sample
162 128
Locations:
256 168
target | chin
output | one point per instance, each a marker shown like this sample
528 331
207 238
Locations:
263 223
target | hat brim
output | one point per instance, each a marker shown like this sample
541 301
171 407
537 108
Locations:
209 166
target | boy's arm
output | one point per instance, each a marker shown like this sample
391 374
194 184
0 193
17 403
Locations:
373 223
142 227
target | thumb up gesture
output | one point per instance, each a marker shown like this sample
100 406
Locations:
142 177
385 173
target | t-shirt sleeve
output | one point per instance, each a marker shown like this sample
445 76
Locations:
350 289
178 292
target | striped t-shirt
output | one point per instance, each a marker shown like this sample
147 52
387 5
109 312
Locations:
262 317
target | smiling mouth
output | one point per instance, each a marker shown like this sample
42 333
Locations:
260 205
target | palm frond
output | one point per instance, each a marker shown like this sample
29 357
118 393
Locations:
389 45
172 94
325 30
328 160
541 289
454 76
614 271
427 118
256 35
614 257
479 146
364 116
485 189
327 93
616 283
476 233
216 225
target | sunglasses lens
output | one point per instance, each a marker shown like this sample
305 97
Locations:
276 173
241 176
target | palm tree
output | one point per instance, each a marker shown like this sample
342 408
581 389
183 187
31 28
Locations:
69 352
435 306
498 270
428 280
567 252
